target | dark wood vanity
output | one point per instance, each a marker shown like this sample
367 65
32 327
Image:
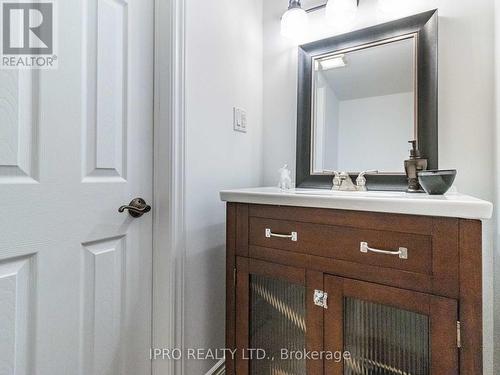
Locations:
416 310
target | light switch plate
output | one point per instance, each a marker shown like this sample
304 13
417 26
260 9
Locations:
243 115
239 120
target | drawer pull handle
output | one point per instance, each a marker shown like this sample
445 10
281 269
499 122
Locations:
292 236
402 252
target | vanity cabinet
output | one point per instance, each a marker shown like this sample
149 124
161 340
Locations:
329 291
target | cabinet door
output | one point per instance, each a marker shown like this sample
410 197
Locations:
276 321
385 330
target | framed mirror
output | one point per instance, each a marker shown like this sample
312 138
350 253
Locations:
362 96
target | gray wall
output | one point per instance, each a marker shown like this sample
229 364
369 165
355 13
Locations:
370 127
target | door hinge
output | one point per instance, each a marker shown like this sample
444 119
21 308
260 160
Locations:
234 276
459 334
321 298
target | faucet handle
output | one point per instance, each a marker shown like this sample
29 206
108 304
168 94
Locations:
337 180
361 180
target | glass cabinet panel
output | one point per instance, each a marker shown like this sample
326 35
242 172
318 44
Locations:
384 340
277 321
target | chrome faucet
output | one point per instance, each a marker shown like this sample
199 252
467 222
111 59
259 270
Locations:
343 182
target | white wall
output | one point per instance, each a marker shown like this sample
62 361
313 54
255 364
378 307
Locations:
332 129
466 104
326 124
373 133
223 69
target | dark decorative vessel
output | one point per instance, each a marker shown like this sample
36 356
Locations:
437 182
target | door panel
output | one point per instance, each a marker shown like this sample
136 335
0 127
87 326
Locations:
76 143
104 268
387 330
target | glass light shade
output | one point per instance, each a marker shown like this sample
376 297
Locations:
294 23
341 13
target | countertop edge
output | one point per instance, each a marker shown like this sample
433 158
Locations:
475 209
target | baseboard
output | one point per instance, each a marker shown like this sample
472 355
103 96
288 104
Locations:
218 369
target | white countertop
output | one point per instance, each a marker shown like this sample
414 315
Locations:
449 205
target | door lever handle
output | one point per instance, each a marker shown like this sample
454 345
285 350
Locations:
136 208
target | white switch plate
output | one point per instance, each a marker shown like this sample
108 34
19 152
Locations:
239 120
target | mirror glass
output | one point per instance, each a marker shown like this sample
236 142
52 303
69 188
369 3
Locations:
364 107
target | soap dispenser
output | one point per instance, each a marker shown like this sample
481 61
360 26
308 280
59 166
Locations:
414 165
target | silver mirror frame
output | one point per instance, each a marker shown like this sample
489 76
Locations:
425 28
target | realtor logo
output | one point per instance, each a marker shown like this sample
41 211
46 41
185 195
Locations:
28 30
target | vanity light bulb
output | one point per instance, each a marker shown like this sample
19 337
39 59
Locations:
341 13
294 24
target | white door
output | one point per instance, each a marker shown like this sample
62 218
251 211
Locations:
76 143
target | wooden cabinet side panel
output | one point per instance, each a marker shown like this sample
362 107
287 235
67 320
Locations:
471 302
445 258
230 282
242 230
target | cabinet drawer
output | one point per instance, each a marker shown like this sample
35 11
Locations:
380 248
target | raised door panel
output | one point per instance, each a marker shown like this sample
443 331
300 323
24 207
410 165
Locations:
17 297
104 270
105 135
19 126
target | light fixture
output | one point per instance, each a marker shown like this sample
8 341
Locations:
333 62
294 22
341 13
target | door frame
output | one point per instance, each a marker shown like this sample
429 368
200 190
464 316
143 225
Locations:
169 184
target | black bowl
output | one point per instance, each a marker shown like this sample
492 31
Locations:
437 182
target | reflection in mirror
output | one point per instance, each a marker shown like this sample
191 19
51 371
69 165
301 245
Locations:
364 107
